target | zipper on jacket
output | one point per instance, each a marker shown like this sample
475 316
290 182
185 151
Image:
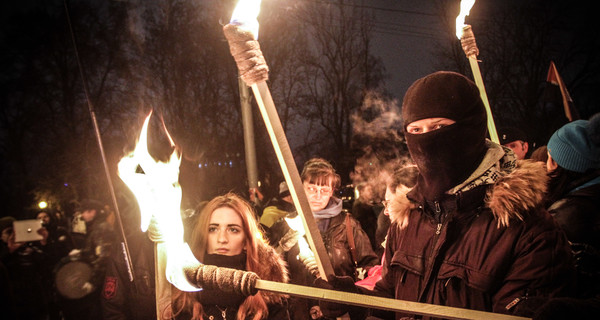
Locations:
427 275
438 216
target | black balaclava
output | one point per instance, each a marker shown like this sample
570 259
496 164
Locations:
447 156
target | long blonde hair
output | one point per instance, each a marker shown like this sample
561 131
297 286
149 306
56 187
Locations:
254 305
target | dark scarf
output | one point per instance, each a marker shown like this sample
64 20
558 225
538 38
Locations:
216 297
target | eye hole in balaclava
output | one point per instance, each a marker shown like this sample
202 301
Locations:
447 156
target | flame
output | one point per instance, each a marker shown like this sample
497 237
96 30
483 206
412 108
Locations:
157 189
465 8
297 225
158 194
245 15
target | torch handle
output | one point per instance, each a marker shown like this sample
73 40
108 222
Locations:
479 82
292 177
382 303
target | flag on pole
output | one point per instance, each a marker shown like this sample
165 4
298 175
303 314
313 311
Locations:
555 79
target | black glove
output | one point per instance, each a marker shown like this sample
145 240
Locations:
334 309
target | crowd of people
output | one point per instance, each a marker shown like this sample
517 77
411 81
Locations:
469 223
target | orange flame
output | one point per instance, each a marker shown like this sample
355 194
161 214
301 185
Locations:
465 8
245 14
158 194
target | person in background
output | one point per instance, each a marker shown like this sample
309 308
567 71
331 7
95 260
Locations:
515 139
96 251
540 154
58 246
275 211
365 210
121 297
477 235
226 235
402 180
25 263
320 181
574 201
59 242
286 240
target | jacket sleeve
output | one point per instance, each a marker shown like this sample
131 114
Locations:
115 290
543 268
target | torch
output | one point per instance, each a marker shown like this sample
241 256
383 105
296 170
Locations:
467 40
158 193
241 33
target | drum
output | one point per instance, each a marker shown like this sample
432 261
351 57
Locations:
70 276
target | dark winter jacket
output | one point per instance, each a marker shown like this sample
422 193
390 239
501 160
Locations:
121 298
578 213
99 241
335 240
489 248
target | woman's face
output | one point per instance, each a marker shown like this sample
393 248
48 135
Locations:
226 235
389 196
318 196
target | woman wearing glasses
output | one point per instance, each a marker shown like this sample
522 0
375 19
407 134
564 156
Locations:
320 181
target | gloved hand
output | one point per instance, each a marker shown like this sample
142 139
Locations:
343 283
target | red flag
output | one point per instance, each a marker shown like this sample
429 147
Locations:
555 79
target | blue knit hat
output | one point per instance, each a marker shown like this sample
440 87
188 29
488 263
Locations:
576 145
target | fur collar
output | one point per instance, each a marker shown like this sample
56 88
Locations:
518 192
516 187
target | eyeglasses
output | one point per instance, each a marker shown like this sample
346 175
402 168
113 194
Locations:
313 190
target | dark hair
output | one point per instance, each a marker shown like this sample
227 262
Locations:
320 172
540 154
561 182
406 176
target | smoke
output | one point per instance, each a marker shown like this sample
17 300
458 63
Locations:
378 140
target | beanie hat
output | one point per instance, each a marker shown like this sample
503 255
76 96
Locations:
576 145
283 189
447 156
443 94
6 222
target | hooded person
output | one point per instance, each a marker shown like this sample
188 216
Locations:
476 234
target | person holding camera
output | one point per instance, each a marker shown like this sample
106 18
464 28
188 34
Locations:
25 263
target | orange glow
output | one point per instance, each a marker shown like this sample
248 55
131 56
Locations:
245 14
465 8
158 194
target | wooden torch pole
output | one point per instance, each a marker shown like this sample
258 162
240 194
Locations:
292 177
471 51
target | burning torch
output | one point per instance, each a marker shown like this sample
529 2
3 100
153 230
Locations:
467 40
158 193
242 33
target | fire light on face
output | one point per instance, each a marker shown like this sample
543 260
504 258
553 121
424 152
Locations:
158 194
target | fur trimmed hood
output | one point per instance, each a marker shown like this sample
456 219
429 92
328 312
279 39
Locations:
518 192
517 187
